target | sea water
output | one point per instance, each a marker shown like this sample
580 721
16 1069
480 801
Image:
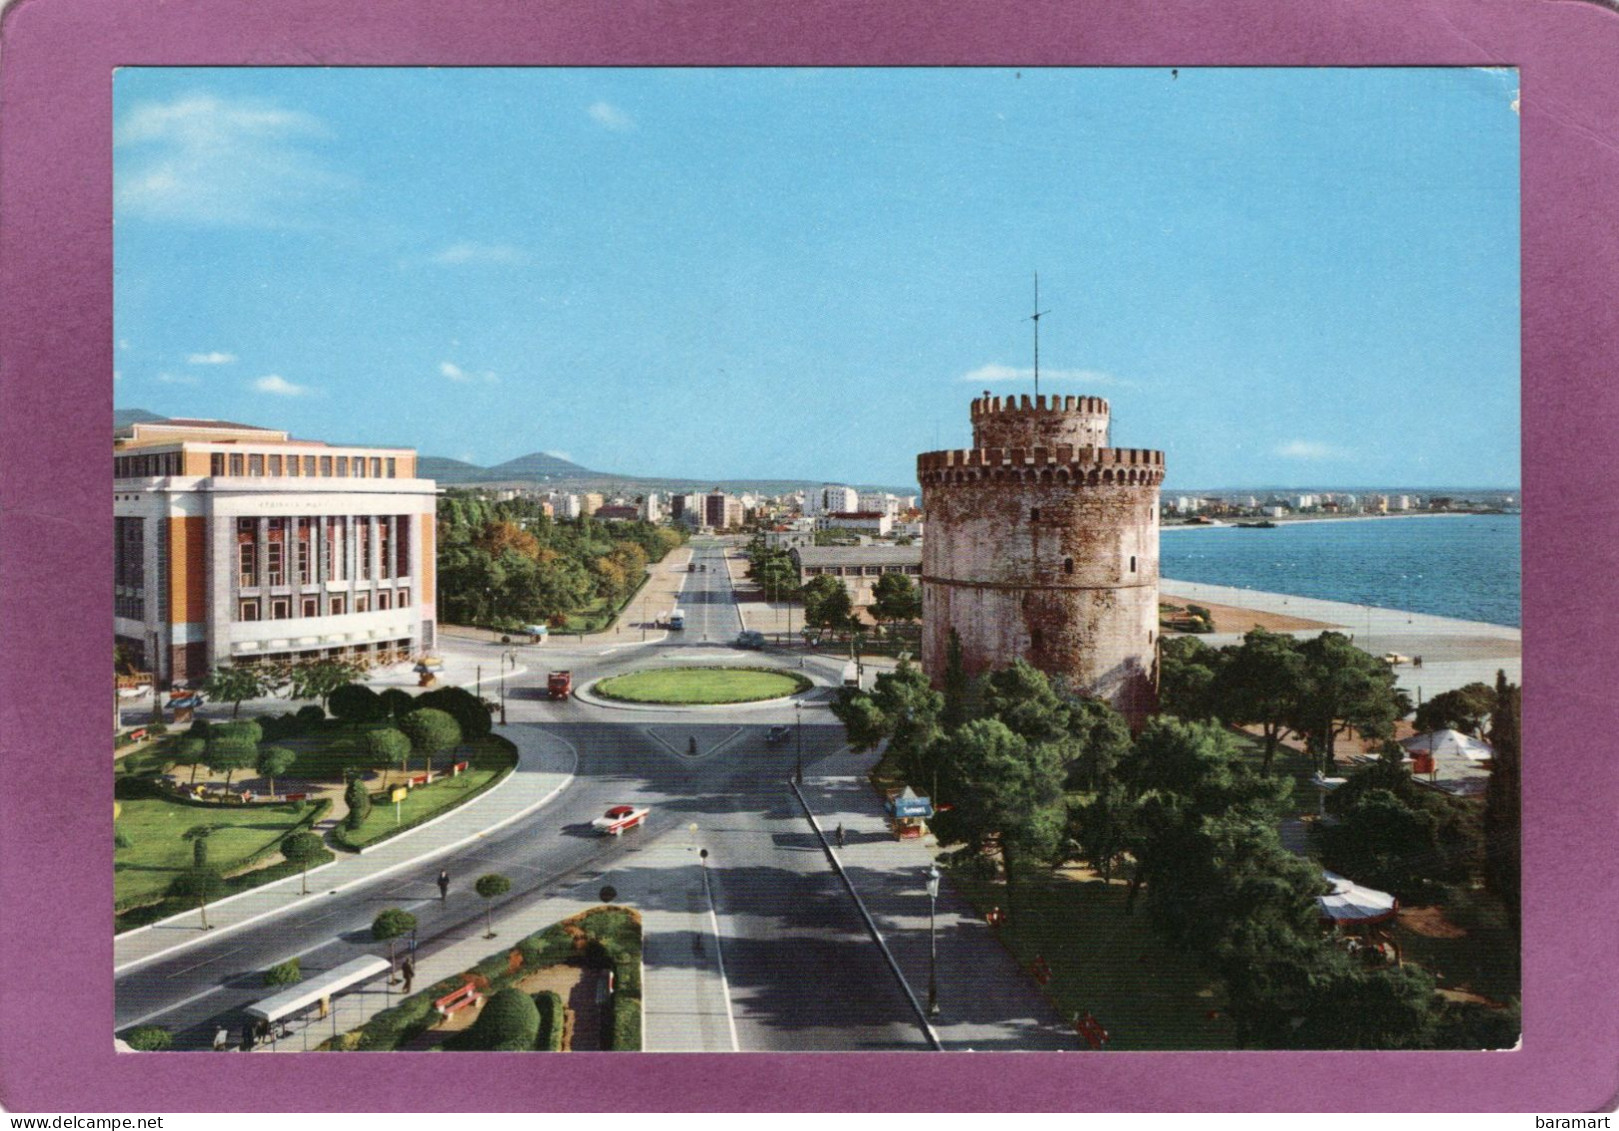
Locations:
1464 566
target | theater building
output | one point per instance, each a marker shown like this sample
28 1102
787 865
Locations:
234 544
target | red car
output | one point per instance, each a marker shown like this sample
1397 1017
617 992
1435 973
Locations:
619 818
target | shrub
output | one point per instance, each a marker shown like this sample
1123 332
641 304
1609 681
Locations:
551 1017
358 801
310 717
430 731
469 712
546 948
356 703
397 703
387 746
246 731
148 1038
284 974
623 1025
508 1022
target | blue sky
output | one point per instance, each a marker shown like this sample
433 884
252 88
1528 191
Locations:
1279 277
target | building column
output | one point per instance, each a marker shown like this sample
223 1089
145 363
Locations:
261 558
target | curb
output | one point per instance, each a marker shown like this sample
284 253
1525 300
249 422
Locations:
871 925
360 881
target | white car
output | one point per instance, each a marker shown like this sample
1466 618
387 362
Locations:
619 818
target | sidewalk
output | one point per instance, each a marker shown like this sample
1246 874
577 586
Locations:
986 1002
545 766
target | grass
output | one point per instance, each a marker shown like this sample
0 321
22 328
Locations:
491 758
702 685
1108 963
156 852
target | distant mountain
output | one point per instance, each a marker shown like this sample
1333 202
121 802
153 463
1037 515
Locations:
123 417
539 466
450 472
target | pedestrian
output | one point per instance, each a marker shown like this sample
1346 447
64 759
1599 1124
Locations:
222 1040
840 834
408 969
443 885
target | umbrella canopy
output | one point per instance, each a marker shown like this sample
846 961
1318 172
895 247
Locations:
1349 902
1450 744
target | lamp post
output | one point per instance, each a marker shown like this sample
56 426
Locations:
798 709
502 694
933 940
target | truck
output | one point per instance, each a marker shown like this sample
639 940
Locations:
851 676
677 621
559 685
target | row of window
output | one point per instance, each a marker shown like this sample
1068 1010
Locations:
382 532
280 608
259 464
861 571
146 466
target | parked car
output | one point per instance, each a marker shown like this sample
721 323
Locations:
751 640
778 734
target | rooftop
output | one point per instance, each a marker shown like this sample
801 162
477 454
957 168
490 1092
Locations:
857 555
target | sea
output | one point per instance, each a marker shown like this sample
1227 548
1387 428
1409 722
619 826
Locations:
1463 566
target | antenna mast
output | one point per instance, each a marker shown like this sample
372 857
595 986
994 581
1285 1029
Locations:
1035 318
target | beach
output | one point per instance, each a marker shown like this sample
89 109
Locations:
1454 652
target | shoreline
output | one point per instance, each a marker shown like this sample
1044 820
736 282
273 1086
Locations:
1297 520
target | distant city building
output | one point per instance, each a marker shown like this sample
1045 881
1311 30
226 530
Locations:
611 513
234 545
651 507
1042 546
867 522
858 567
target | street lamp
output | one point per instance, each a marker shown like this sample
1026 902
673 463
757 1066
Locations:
798 708
933 940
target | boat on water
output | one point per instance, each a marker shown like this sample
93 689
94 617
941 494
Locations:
1266 525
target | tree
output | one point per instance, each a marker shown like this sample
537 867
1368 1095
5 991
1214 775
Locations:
1186 670
387 746
356 703
431 732
827 603
1503 802
228 752
317 679
198 836
390 924
200 884
398 703
1384 842
303 849
192 749
1259 682
358 800
1344 689
895 598
956 687
228 684
491 887
275 761
1001 785
470 713
1101 739
288 973
903 710
1468 709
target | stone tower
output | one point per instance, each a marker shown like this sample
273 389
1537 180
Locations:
1042 544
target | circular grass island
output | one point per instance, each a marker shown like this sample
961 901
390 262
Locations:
690 687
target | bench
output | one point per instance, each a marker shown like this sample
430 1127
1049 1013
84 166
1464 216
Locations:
452 1002
294 796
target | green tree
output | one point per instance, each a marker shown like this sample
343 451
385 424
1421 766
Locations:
1468 709
471 713
903 710
1503 803
1186 671
957 690
431 732
198 836
356 703
390 924
204 885
192 748
227 752
1102 738
148 1038
896 599
303 849
1384 842
1259 682
827 604
490 887
1344 689
398 703
274 762
317 679
288 973
233 685
358 800
387 746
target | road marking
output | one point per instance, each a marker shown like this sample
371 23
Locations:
181 1004
204 962
719 957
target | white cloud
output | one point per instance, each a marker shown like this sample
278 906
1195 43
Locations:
117 375
203 160
213 358
609 116
455 373
992 373
1307 449
177 379
281 387
123 343
469 251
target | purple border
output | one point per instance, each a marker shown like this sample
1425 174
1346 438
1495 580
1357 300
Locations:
56 353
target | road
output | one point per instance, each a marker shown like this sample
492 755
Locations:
802 971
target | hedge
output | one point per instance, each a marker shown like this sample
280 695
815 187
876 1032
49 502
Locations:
286 973
148 1038
623 1025
549 1003
340 835
508 1022
130 916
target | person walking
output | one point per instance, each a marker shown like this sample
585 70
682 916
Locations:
443 885
408 969
840 834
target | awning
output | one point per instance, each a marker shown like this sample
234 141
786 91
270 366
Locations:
305 994
1349 902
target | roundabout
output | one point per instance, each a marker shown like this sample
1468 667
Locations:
701 686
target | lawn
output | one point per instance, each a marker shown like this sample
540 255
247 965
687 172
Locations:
1108 963
491 758
702 685
154 828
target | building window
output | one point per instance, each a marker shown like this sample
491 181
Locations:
248 609
404 598
337 605
359 467
362 546
303 555
326 466
247 567
275 560
376 467
309 466
236 463
275 465
1132 563
280 608
342 467
362 602
255 465
216 463
1034 514
1068 565
383 545
294 465
1034 639
392 467
311 606
384 600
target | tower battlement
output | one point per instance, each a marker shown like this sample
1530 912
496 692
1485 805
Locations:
987 404
1077 465
1039 421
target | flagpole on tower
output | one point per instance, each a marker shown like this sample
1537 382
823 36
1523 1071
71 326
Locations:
1035 318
